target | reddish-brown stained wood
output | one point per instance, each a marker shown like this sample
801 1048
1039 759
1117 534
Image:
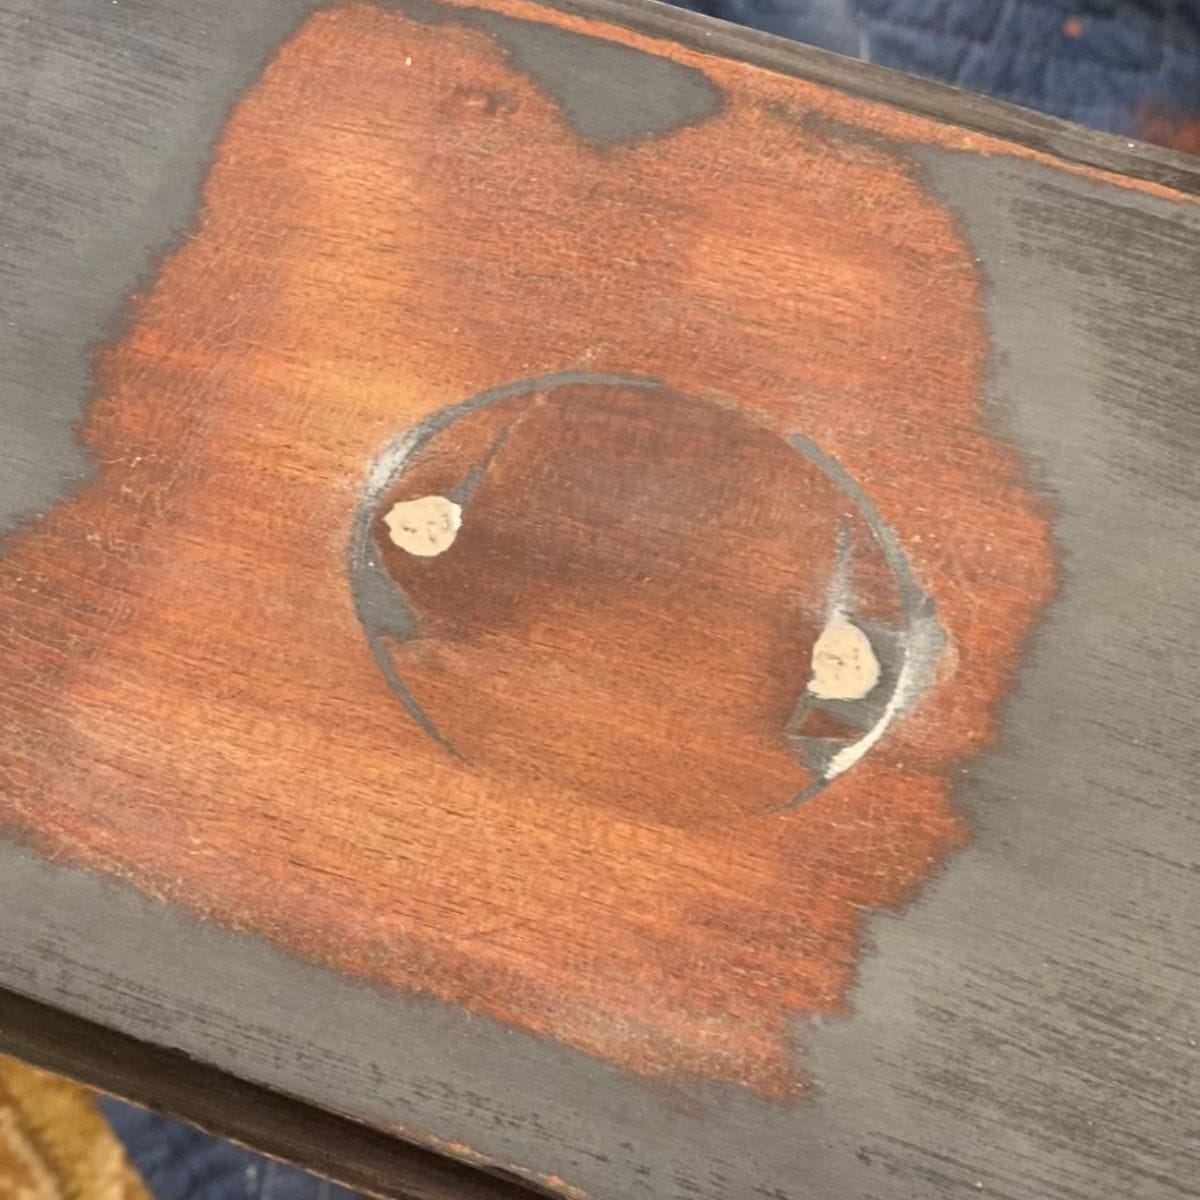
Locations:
396 220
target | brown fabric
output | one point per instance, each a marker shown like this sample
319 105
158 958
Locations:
55 1143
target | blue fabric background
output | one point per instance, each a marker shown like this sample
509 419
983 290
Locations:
1099 62
178 1162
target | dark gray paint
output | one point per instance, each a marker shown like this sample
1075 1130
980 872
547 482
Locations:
1027 1027
107 114
607 92
1031 1021
383 610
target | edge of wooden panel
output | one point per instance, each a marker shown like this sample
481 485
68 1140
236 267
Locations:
169 1081
913 94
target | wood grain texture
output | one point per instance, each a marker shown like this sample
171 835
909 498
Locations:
600 851
617 640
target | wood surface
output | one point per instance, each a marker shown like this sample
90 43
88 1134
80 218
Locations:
423 655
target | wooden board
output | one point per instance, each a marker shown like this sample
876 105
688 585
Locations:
609 597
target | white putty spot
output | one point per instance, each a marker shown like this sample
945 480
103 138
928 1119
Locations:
922 643
844 666
426 527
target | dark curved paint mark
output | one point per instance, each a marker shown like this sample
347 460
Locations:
906 654
382 607
114 133
914 601
609 93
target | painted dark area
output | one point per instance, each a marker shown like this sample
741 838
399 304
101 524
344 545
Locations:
609 93
180 1162
107 116
656 469
1052 1038
1026 1026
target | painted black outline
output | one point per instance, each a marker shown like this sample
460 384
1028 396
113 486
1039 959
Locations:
382 608
386 614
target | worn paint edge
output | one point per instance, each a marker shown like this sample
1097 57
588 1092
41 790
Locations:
911 94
